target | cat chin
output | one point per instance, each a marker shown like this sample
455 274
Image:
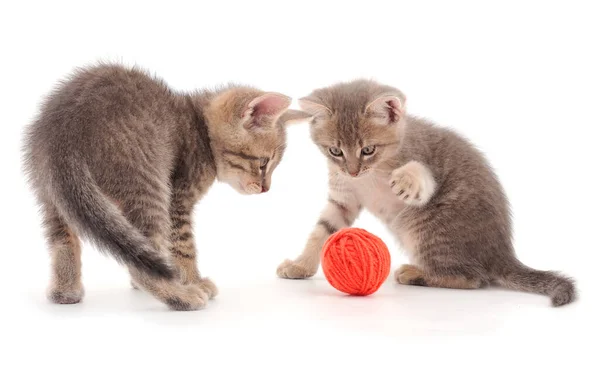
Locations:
245 189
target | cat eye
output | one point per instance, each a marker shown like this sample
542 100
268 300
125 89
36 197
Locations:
335 151
369 150
264 162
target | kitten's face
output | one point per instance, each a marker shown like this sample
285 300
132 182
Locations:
247 129
358 125
248 167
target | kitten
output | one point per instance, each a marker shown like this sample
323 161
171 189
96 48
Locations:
118 157
433 189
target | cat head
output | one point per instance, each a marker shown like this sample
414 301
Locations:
357 125
248 136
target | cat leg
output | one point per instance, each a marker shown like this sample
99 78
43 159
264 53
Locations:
437 258
447 278
183 249
65 251
413 183
341 211
149 212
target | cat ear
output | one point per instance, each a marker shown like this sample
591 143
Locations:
314 108
264 109
293 116
388 109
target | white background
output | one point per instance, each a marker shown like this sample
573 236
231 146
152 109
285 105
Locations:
520 80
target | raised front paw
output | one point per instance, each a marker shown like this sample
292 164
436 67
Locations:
294 270
413 183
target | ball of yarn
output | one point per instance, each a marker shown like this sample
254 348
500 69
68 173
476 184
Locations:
355 261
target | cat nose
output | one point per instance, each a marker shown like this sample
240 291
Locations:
353 174
265 189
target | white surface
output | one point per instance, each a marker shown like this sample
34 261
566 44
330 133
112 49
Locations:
521 81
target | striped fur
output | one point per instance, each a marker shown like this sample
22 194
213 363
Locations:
341 211
117 157
430 186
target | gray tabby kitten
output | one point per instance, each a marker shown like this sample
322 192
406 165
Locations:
431 187
118 157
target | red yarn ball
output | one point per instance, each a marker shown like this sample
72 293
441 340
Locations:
355 261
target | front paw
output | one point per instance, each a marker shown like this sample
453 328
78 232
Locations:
187 298
208 287
294 270
412 183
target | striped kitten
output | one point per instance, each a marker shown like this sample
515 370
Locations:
118 157
432 188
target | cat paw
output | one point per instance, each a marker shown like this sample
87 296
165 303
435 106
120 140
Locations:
413 183
187 298
293 270
65 296
208 287
410 275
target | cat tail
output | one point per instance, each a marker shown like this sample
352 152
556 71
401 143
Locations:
560 288
80 200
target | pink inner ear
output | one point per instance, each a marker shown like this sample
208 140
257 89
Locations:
269 105
391 106
393 110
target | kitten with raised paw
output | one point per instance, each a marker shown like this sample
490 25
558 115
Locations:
118 157
430 186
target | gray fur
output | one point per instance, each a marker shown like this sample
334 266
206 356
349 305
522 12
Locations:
460 236
117 156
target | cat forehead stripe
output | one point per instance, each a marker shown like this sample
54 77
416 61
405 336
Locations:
241 154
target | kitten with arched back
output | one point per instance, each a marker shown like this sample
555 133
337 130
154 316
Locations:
431 187
117 156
